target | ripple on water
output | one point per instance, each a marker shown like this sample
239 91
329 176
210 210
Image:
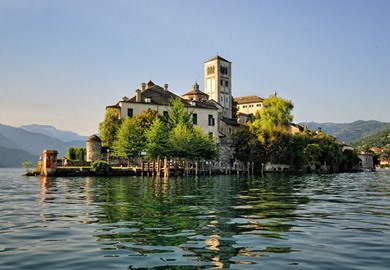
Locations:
270 222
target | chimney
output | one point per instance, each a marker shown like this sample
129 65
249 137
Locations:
165 86
143 86
137 95
195 87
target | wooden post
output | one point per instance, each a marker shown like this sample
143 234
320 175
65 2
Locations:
166 169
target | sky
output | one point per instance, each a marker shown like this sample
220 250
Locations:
63 62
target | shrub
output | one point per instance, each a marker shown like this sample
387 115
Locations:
76 154
100 167
26 165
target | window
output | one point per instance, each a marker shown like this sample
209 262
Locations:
244 106
238 107
250 106
210 134
130 112
211 120
221 81
258 105
227 83
194 118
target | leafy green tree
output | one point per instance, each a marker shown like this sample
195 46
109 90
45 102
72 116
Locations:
71 153
81 154
276 113
27 165
157 140
248 148
129 140
331 153
241 143
349 161
76 154
297 156
177 114
313 153
278 146
180 138
202 146
110 126
145 119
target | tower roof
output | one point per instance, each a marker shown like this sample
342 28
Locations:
93 138
217 58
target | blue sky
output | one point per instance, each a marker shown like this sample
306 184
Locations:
62 62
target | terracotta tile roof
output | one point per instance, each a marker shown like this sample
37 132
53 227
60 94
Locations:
248 99
159 96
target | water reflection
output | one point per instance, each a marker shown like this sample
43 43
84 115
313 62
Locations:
201 216
275 221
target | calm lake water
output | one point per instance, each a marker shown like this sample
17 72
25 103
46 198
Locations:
339 221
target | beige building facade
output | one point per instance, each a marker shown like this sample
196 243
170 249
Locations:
249 104
218 83
155 97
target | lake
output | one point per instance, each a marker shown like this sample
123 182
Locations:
329 221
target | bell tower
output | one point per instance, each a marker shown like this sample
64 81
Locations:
218 83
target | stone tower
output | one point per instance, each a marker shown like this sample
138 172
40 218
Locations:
218 83
94 148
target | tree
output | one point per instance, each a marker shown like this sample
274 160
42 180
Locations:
110 126
157 140
177 114
145 119
349 161
202 145
76 154
277 142
298 144
158 144
275 114
129 140
248 148
180 138
313 154
26 165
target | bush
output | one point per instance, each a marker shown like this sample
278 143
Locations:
26 165
100 167
76 154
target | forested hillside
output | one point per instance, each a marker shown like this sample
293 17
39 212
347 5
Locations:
380 139
349 132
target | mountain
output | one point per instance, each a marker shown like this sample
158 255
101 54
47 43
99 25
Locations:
349 132
19 142
62 135
10 157
380 139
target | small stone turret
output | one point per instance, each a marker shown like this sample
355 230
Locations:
94 148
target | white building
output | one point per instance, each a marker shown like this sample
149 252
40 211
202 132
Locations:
249 104
155 97
218 83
